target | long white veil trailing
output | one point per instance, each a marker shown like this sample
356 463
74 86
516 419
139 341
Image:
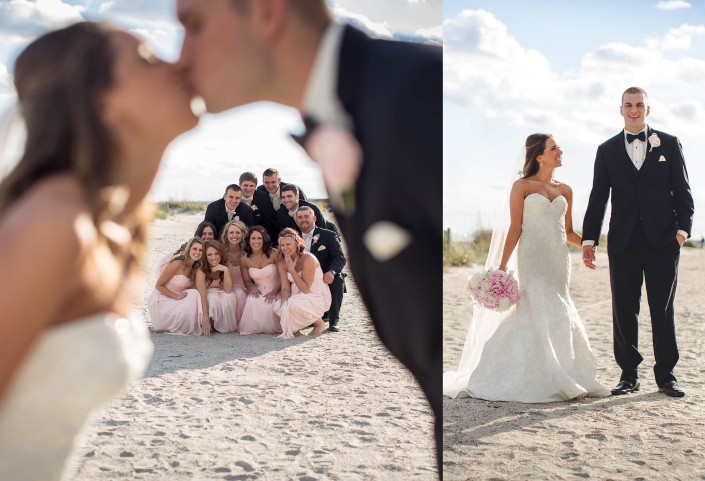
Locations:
484 321
13 135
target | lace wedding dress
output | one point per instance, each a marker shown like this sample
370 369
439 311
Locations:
539 351
71 370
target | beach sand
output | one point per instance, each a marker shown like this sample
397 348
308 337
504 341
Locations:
337 406
640 436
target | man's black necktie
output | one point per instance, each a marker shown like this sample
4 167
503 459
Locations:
641 136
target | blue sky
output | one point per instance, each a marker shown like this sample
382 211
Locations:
201 163
513 68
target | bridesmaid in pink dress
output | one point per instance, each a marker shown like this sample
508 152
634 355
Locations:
213 280
174 305
259 272
205 231
233 238
304 295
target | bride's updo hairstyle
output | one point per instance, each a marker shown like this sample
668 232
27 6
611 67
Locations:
60 78
535 145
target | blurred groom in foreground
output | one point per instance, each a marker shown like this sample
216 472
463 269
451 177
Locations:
372 109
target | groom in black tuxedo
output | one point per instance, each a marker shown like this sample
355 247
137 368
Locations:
652 216
379 106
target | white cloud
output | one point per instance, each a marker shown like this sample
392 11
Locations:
678 38
485 68
672 5
362 22
24 19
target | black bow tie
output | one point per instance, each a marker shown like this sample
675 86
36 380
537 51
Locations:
310 125
641 136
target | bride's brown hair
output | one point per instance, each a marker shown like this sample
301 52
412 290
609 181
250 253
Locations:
59 79
535 145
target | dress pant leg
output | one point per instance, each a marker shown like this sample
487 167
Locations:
626 277
336 294
661 273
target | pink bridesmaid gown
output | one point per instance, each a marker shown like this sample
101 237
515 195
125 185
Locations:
301 309
176 316
222 307
239 290
258 315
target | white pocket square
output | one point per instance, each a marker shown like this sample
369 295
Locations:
662 159
321 248
385 240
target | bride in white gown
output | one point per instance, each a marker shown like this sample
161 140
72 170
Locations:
538 351
99 111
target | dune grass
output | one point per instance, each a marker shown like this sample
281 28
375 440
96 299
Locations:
173 207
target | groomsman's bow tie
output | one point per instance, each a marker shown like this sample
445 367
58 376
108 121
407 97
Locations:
641 136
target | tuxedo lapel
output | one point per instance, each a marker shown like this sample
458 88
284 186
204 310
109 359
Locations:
651 154
623 157
353 51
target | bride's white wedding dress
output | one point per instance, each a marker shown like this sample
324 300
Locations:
71 370
539 351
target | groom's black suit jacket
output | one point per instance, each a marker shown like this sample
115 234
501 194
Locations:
658 194
393 93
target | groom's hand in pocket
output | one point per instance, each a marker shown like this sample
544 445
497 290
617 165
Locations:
680 239
589 257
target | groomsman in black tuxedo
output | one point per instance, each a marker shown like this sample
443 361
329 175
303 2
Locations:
652 216
290 202
262 211
271 190
324 244
378 108
230 207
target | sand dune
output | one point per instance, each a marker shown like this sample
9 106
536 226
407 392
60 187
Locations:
234 407
641 436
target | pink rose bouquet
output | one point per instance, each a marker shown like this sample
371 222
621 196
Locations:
495 290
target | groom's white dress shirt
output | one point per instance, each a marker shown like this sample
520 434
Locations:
321 96
637 149
637 153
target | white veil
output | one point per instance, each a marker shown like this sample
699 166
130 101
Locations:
484 321
13 135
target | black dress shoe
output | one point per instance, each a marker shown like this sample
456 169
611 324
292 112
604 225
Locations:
626 386
333 328
671 388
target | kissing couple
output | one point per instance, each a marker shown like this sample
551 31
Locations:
539 351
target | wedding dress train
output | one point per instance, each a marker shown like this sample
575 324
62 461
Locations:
539 351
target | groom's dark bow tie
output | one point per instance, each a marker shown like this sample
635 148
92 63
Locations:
641 136
310 125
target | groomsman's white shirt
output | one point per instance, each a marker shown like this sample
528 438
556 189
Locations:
637 153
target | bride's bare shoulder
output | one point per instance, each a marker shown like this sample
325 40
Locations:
54 211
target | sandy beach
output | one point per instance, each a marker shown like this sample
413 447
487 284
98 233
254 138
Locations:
640 436
333 407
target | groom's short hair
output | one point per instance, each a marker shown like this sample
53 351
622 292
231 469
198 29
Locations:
635 90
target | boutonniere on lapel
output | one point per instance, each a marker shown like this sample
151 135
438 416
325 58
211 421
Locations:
654 141
339 155
253 207
314 239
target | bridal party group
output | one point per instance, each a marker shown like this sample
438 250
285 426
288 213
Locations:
264 260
